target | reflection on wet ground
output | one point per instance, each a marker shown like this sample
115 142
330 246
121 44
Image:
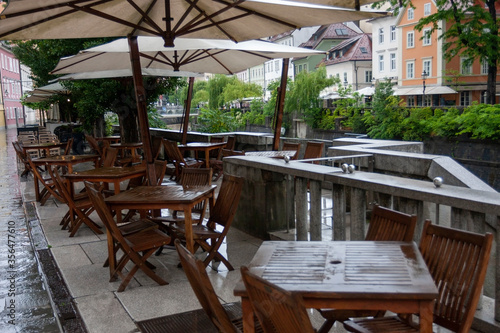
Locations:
24 302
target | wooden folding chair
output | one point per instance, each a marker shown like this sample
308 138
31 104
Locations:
109 157
231 142
295 146
137 247
21 156
49 186
385 225
69 145
457 261
221 215
217 165
94 145
314 150
227 318
180 162
81 206
278 310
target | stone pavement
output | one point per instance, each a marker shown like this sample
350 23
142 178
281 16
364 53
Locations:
24 302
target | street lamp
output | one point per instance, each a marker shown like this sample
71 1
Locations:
424 76
345 83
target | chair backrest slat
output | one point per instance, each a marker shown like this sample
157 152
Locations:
457 261
203 289
227 201
278 310
390 225
314 150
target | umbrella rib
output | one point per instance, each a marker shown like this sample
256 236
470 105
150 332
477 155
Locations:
145 15
92 11
186 13
93 55
217 60
267 17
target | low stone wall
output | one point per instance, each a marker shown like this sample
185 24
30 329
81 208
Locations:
481 157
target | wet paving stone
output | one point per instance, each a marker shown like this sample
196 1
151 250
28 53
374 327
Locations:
25 304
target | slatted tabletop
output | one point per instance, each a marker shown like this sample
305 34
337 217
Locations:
360 275
271 153
144 198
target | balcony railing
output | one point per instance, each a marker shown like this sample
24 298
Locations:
279 194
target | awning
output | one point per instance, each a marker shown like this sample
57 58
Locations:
429 90
408 91
439 90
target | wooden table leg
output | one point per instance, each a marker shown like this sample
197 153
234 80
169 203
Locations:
426 316
248 315
188 226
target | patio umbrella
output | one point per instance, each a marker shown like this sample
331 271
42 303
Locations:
216 56
109 74
367 91
236 20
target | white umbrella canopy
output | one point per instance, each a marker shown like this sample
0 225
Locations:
367 91
215 56
109 74
235 20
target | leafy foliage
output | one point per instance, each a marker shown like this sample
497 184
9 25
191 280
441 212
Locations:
304 95
480 121
216 121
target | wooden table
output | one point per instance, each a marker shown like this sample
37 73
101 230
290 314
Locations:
114 175
173 197
130 146
45 146
111 139
271 153
64 160
205 147
360 275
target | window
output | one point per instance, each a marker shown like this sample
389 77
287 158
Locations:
345 77
341 32
393 61
426 67
363 49
410 14
368 76
410 39
410 70
381 36
427 9
393 33
381 63
410 101
426 37
484 67
465 98
465 66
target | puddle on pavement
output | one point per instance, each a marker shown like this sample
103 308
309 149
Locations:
24 302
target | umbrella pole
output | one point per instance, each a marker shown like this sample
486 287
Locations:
142 109
281 103
186 112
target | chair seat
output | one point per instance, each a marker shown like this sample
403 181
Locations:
136 226
145 240
199 231
384 324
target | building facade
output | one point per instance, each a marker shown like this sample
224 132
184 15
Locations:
11 111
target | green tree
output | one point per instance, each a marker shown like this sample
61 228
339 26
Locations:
304 95
472 32
237 90
215 89
216 121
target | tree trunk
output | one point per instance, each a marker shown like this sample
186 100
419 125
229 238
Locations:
100 127
129 127
491 90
